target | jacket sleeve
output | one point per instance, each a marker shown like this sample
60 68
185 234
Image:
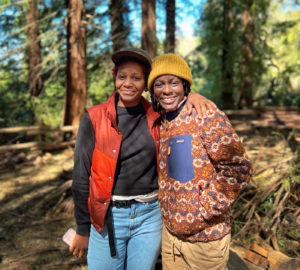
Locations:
232 169
84 147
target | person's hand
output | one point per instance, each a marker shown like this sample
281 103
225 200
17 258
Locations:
79 245
200 103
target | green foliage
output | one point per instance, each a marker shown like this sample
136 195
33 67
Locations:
210 31
266 204
280 82
48 107
275 51
237 225
18 108
101 86
14 101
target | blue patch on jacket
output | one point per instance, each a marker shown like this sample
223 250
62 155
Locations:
180 161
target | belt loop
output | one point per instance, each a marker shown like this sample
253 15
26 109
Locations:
110 231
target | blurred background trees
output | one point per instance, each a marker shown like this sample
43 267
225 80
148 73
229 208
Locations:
55 57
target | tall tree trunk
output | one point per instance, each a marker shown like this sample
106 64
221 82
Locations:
76 63
148 36
247 51
119 31
34 49
170 27
227 63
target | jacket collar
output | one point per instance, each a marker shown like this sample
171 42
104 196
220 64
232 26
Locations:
173 114
111 109
151 114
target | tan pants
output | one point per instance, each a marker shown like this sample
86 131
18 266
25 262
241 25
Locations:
181 255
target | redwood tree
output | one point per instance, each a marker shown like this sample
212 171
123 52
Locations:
227 63
170 27
34 49
119 31
247 53
148 36
76 63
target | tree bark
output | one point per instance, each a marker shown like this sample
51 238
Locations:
76 63
227 63
247 51
119 31
170 27
34 49
148 35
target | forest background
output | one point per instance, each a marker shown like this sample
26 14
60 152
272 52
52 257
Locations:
55 61
242 53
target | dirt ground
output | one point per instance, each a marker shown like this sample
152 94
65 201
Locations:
34 212
36 205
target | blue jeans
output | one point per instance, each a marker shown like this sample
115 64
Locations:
137 238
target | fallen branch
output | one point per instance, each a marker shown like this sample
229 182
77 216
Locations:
272 165
33 130
277 198
37 145
255 200
276 201
297 212
55 194
274 242
260 224
280 208
251 211
259 155
48 220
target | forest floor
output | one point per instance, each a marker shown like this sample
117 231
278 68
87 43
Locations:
36 204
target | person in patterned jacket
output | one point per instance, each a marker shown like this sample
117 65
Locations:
202 168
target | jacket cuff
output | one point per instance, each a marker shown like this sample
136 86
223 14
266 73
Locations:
83 229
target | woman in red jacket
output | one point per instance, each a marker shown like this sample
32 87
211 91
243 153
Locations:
115 173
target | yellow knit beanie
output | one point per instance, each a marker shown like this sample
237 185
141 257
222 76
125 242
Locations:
171 64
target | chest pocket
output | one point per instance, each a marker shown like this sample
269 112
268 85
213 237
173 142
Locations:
180 161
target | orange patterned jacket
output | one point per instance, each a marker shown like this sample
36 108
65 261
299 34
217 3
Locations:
202 168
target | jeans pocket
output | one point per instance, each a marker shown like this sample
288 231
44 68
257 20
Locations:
218 249
180 160
153 204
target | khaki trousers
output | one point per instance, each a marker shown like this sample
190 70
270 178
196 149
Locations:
180 255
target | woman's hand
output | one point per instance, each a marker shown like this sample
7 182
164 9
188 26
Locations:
79 245
199 103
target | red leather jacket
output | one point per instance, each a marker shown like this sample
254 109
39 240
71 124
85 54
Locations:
107 145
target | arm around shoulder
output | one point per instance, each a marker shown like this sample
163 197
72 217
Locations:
200 103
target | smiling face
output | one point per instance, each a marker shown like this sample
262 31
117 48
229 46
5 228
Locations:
168 91
130 83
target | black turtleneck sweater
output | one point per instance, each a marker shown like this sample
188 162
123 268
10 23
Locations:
136 171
